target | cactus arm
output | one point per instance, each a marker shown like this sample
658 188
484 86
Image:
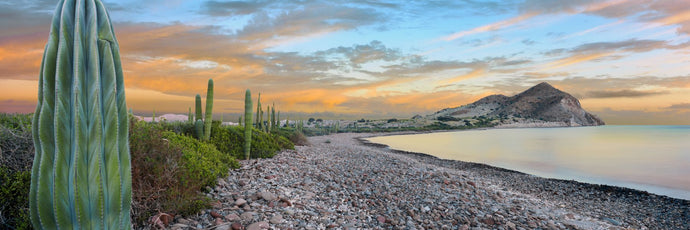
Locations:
197 107
209 111
247 122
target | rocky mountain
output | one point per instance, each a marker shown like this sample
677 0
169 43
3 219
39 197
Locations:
540 104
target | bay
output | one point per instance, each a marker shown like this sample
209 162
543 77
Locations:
649 158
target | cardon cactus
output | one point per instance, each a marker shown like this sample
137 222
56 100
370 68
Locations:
258 112
190 117
247 122
81 175
199 129
197 107
209 111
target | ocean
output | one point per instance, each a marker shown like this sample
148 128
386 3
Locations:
649 158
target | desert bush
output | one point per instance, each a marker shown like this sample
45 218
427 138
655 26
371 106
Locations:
169 171
201 159
16 143
16 157
14 199
230 140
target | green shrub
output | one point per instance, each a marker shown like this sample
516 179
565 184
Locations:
14 199
230 140
16 157
16 143
169 170
203 161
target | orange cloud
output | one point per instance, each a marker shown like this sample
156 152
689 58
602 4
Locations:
473 74
490 27
576 59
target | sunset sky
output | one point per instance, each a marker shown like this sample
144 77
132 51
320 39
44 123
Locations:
627 61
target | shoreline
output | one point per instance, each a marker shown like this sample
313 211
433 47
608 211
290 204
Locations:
617 192
606 187
338 182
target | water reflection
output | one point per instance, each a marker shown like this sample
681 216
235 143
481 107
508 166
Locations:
651 158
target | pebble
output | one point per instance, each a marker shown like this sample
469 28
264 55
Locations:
258 226
276 219
240 202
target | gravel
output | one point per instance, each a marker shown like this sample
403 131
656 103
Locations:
342 183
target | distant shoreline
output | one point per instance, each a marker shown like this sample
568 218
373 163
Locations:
555 190
426 156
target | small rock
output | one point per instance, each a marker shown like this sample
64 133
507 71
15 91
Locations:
381 219
242 182
232 217
510 225
465 227
215 214
179 226
248 215
286 201
258 226
277 219
183 221
240 202
488 221
266 195
472 183
269 177
236 226
218 221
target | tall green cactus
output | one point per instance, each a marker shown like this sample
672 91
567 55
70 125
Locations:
267 127
273 116
209 111
247 122
153 116
197 108
81 174
190 117
258 112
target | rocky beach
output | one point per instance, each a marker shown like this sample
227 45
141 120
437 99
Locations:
343 182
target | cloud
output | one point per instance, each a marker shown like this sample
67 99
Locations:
490 27
601 50
623 93
360 54
681 106
642 117
232 8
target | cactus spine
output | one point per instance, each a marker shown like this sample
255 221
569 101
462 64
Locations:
81 174
247 122
197 107
209 111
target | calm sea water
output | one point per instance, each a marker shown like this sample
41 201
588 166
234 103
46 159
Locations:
650 158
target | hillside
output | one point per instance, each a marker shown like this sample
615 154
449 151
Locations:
541 104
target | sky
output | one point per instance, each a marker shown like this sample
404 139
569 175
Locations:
627 61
